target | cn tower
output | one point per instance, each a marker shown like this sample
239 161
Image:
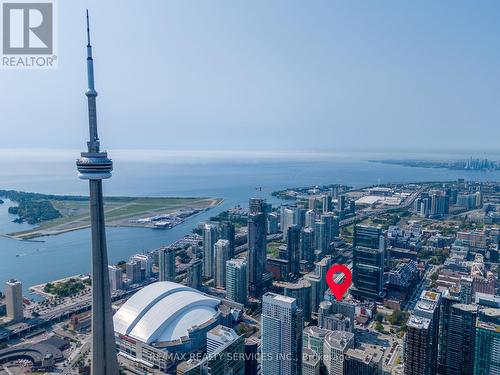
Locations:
95 166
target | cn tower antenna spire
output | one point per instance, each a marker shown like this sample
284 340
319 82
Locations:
88 29
93 144
95 166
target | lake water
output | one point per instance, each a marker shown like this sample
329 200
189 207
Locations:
69 253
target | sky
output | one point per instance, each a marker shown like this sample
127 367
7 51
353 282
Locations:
262 75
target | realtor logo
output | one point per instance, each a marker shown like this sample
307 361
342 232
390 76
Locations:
28 35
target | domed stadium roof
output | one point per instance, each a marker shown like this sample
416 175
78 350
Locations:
164 311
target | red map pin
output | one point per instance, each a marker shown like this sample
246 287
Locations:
338 290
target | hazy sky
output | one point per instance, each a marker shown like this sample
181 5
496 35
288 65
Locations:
267 75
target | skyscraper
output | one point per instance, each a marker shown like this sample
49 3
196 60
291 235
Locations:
336 315
341 204
307 245
14 300
487 350
236 280
368 273
221 250
368 236
257 247
317 289
209 239
368 263
363 361
300 290
327 203
447 301
328 220
256 205
227 232
225 351
225 355
320 269
421 346
313 338
287 219
272 223
310 218
320 236
252 350
311 363
166 260
337 343
95 166
146 262
439 204
115 278
195 274
461 336
293 250
281 335
133 270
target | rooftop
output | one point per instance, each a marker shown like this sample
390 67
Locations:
367 355
428 295
418 322
339 339
279 297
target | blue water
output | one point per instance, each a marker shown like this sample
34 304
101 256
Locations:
69 253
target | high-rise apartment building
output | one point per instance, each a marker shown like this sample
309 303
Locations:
487 349
221 251
461 340
421 346
14 300
287 219
313 338
257 247
195 274
316 290
447 301
166 260
272 223
146 262
326 201
282 323
225 352
311 362
133 271
337 343
236 280
363 361
307 245
209 240
300 290
115 278
310 218
227 232
293 250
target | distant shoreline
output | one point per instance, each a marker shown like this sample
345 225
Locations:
477 165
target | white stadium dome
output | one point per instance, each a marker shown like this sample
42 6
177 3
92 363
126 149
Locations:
164 311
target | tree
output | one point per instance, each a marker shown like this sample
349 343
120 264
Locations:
397 318
379 327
